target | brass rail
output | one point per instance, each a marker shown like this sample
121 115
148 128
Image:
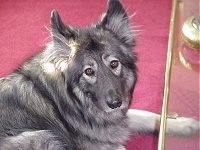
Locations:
163 119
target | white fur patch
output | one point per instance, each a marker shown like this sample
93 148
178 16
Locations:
73 46
49 67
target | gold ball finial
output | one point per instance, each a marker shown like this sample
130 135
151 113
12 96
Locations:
191 32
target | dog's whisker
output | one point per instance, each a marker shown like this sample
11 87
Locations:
132 15
47 28
47 38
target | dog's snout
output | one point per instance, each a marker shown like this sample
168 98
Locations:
114 104
113 100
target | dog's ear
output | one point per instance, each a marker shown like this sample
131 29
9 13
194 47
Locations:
115 20
58 28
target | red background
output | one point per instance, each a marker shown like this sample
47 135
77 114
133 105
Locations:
23 33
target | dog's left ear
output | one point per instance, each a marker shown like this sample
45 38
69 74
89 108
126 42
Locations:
116 20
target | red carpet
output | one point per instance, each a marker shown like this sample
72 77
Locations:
23 33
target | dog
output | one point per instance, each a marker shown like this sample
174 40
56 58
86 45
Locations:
75 94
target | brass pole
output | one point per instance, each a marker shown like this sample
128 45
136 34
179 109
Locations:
163 119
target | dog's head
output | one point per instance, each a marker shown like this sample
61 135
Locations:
99 65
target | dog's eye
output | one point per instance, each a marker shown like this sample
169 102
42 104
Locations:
89 71
114 64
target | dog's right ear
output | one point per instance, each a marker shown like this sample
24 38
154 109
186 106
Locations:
58 28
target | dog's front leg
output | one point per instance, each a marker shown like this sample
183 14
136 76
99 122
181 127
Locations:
147 122
140 121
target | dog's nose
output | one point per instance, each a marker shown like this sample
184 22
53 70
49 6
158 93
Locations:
114 104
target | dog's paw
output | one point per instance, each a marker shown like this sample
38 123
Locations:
182 126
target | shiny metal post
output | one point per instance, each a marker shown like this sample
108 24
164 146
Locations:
163 119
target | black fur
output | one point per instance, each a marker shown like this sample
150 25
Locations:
63 108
